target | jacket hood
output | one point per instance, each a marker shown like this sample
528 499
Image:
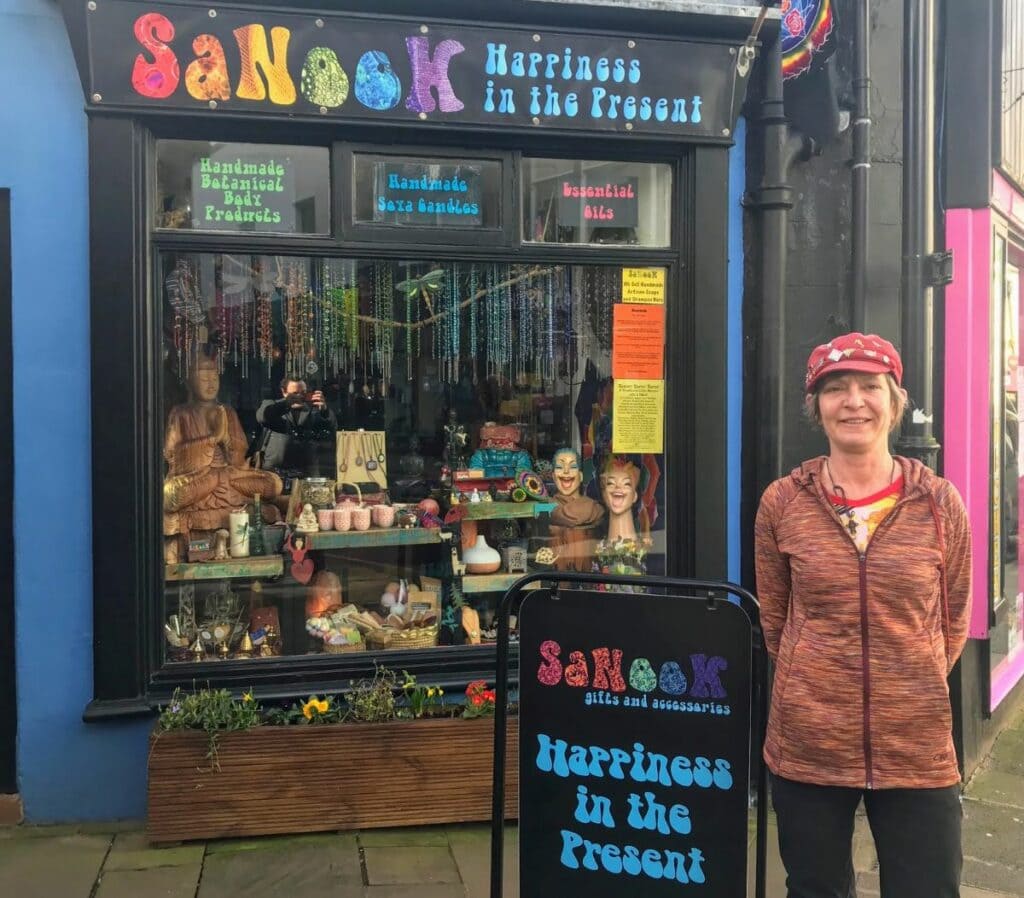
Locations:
918 478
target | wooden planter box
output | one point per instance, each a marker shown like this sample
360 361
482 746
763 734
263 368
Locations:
309 778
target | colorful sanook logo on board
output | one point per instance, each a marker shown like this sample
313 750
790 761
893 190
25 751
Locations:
285 63
691 685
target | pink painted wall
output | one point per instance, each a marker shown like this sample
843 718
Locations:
967 435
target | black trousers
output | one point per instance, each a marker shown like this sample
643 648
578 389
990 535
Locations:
916 832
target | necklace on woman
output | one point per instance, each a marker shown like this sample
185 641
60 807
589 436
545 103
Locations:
843 507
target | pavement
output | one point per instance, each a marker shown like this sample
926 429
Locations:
114 860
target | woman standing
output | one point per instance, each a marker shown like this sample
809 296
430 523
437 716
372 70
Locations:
863 573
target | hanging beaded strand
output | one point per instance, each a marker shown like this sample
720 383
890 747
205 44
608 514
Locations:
473 290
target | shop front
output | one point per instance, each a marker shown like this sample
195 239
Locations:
386 312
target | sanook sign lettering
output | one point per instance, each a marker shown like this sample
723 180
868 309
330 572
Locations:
634 724
274 63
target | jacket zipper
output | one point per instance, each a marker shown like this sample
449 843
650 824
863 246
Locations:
865 645
865 641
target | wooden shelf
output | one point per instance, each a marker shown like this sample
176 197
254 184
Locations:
497 511
233 568
373 538
477 583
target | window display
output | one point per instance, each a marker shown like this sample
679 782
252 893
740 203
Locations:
361 455
1006 640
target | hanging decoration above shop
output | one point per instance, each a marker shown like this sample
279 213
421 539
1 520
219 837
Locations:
806 28
269 62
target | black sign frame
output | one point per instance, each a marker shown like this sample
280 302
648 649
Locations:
183 58
709 593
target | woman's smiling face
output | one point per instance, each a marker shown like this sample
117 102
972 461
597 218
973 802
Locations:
568 477
856 411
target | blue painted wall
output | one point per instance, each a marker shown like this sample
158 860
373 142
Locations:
66 770
734 316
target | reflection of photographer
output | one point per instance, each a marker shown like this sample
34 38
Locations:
298 430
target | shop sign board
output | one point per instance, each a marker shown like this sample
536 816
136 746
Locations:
239 187
427 194
258 60
646 285
634 745
605 204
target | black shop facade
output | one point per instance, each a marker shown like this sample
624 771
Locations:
386 312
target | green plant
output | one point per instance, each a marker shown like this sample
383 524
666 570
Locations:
214 711
479 700
373 700
313 711
420 700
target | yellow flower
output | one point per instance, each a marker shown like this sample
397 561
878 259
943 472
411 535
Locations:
248 697
314 704
430 692
440 692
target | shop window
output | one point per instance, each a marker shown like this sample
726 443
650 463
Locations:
590 202
253 188
1006 638
433 197
361 455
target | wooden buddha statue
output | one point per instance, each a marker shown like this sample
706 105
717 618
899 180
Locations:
207 473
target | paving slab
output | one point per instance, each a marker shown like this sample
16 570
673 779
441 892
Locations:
992 876
296 868
396 838
131 851
274 843
410 865
65 866
1008 752
997 786
471 848
452 890
158 882
970 892
994 833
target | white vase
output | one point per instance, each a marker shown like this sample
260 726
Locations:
480 558
239 544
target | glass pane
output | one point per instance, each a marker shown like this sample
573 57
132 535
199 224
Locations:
404 191
1007 635
381 395
583 201
263 188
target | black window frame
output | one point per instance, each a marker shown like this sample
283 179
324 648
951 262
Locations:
353 233
129 674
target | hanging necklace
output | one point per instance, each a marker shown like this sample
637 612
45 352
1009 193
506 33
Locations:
844 508
344 453
378 444
371 462
359 454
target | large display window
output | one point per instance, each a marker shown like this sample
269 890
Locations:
1006 617
360 454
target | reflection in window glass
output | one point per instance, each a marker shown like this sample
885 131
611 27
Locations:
584 201
255 188
1007 635
359 397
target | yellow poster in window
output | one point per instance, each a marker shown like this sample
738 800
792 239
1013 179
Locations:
643 285
638 416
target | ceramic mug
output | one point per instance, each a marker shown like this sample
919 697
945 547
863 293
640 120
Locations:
325 518
342 518
383 515
361 518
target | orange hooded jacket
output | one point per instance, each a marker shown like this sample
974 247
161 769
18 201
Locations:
863 643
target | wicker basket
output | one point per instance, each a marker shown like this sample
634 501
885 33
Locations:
413 638
332 649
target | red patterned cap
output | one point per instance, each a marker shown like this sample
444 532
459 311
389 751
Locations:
854 352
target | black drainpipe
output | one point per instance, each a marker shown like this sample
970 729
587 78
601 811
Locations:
773 198
916 300
861 162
